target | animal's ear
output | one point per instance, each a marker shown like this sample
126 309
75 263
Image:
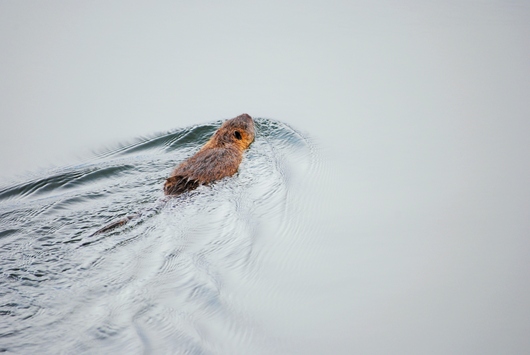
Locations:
237 135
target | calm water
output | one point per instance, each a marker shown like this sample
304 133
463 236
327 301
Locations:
303 251
385 210
178 281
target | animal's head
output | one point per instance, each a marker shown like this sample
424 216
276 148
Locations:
239 131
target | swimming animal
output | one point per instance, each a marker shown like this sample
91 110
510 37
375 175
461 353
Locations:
218 158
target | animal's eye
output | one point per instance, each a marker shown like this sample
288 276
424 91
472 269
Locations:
237 135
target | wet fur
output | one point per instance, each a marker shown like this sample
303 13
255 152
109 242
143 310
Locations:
218 158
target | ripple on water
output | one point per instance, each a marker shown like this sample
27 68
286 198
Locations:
171 281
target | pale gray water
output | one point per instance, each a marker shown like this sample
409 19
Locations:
396 219
179 281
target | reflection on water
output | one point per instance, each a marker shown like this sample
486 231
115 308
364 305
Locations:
193 278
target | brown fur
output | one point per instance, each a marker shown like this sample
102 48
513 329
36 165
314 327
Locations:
218 158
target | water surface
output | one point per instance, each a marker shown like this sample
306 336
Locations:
176 281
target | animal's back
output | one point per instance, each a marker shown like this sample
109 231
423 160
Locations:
218 158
